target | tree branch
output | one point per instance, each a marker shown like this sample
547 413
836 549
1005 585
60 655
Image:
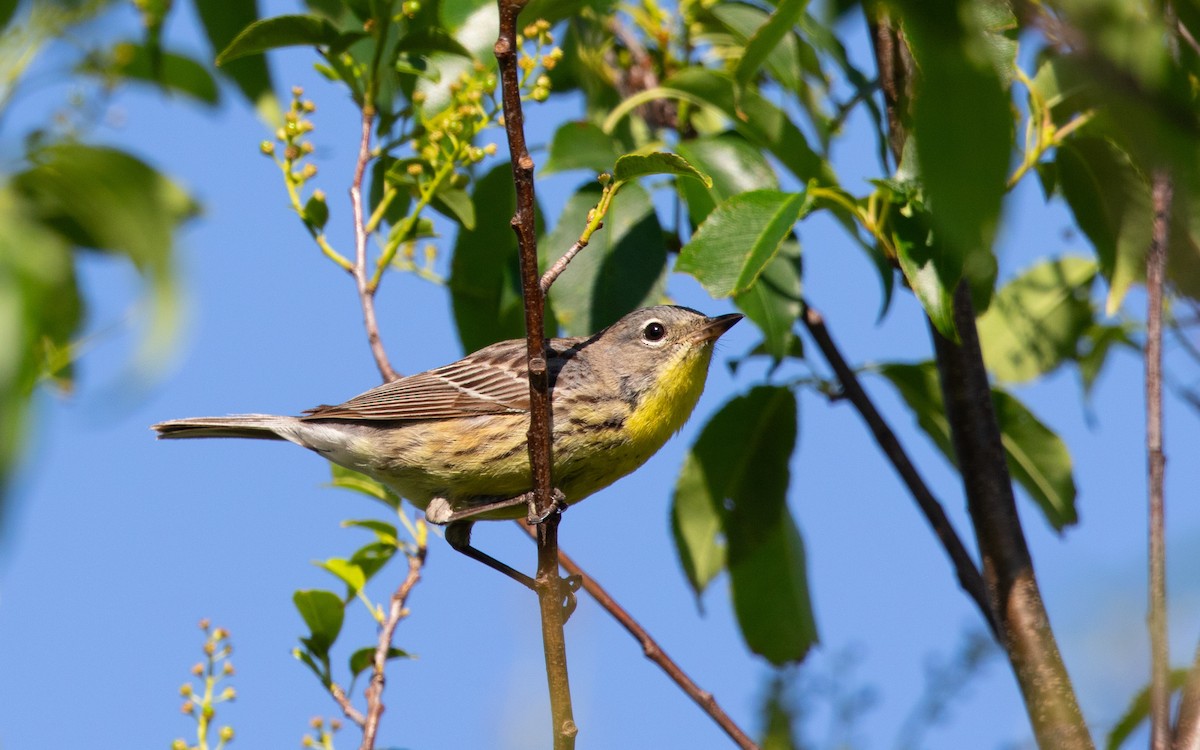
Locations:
1156 259
549 585
1007 567
964 566
362 279
396 612
653 651
1187 726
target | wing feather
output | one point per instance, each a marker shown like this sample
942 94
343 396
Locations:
493 380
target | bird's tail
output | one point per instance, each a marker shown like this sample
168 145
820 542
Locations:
255 426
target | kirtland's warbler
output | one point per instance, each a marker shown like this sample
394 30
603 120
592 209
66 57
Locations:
453 440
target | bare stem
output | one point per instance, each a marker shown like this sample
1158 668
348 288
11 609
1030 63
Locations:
653 651
344 703
964 566
1156 258
1187 726
549 586
396 612
366 293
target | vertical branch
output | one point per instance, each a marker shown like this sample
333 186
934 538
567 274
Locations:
549 586
366 291
1156 258
1187 726
1007 567
1008 574
965 568
396 612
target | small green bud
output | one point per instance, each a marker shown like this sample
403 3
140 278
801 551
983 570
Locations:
316 722
197 669
419 97
604 178
543 81
530 30
490 149
319 197
307 147
207 711
204 623
281 134
309 171
179 744
415 169
297 92
335 724
226 734
267 148
411 8
186 689
540 94
307 741
228 668
308 106
228 694
187 707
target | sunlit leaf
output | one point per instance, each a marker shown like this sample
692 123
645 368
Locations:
738 239
348 479
631 166
1035 321
581 145
323 614
734 165
364 658
349 573
222 21
767 39
280 31
623 267
773 302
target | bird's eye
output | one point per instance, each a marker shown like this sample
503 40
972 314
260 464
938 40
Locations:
654 331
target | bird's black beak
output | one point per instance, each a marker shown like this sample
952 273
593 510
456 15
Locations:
714 328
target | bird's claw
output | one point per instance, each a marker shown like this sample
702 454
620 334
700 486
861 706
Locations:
558 505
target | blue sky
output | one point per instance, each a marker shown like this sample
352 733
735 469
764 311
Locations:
116 545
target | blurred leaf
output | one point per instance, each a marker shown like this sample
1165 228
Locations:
348 479
760 121
623 268
485 277
738 239
323 613
767 40
737 472
1139 710
1111 204
370 558
729 27
350 574
105 199
456 204
384 532
176 73
1100 341
631 166
962 123
734 165
1035 321
1037 458
778 717
581 145
316 212
222 21
773 302
280 31
363 658
7 9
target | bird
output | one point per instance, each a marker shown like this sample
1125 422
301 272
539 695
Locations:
452 440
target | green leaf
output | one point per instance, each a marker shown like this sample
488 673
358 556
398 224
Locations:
734 165
384 532
773 302
1111 203
737 472
485 277
370 558
581 145
1100 340
280 31
730 31
348 479
176 72
363 658
767 39
108 200
623 268
930 268
962 123
316 212
1037 458
756 118
222 20
323 613
456 204
1139 710
349 573
632 166
1036 320
738 239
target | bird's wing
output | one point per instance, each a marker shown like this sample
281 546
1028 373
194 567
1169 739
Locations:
493 380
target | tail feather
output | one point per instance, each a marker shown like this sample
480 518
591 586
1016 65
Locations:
255 426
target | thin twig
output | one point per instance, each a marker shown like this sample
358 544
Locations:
366 294
1156 258
344 703
552 273
396 612
549 585
964 566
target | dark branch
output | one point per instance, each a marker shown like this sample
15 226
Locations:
965 567
549 586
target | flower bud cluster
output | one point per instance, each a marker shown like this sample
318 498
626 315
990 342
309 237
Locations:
322 733
200 699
